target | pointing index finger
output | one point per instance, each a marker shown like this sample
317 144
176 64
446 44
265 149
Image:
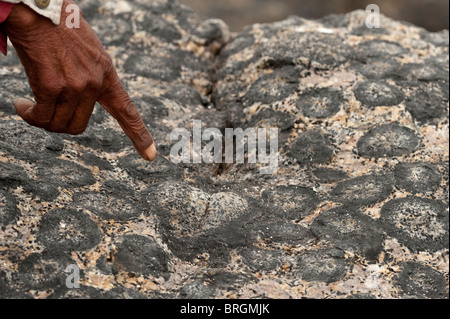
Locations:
118 103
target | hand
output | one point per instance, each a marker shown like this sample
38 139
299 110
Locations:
69 71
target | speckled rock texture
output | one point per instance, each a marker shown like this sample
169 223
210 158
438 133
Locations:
357 209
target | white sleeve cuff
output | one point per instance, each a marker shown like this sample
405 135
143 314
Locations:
53 11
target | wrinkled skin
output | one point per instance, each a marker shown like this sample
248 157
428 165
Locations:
69 71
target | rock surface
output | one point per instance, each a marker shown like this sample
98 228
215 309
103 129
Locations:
357 208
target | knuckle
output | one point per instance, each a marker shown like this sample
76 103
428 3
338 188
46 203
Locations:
49 88
130 114
48 91
128 107
78 86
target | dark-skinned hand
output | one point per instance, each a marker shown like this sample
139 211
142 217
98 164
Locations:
69 71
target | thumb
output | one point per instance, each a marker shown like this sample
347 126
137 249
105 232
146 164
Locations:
22 106
118 103
35 114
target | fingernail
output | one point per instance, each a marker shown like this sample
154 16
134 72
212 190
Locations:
151 152
20 102
21 105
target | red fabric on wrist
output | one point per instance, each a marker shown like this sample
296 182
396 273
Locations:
5 10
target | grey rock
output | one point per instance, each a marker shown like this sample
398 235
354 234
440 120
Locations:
109 206
69 173
377 68
380 49
198 289
8 208
12 175
190 210
7 292
113 31
329 175
355 121
154 67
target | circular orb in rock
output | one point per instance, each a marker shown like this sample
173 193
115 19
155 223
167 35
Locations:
25 142
321 103
329 175
388 140
236 45
159 27
64 173
68 230
328 265
420 281
274 87
426 105
348 228
363 190
380 49
312 147
377 68
140 255
291 201
161 168
87 292
421 224
191 211
99 138
262 260
280 231
44 271
8 292
378 93
417 177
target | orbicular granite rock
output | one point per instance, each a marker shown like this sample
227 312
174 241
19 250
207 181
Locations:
358 206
